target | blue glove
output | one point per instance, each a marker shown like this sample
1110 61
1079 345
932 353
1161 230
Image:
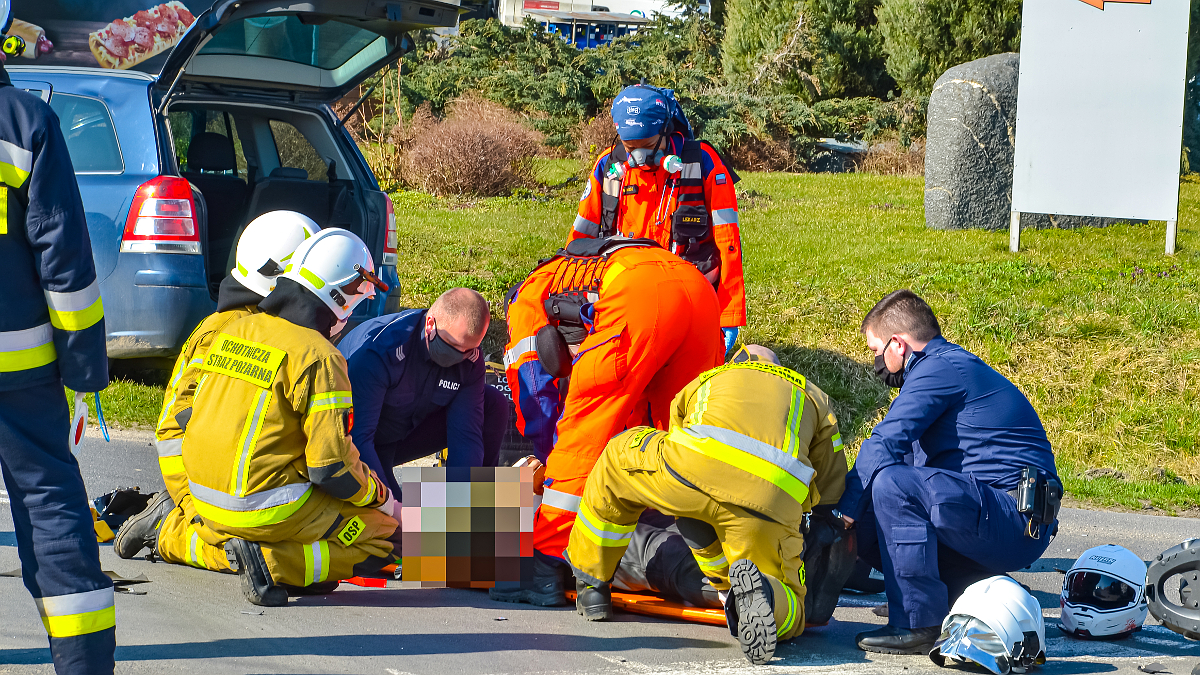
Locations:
730 335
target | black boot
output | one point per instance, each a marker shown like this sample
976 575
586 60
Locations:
246 558
141 530
593 602
750 611
548 588
893 640
319 588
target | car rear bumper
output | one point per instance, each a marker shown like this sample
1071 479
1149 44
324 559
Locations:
152 304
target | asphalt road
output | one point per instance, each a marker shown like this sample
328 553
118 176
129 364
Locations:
190 620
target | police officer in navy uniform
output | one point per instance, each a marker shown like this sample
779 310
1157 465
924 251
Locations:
931 493
51 334
418 383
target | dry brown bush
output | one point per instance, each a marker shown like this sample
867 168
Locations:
755 154
480 149
594 136
890 158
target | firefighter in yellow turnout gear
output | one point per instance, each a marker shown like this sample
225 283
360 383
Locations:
168 526
751 448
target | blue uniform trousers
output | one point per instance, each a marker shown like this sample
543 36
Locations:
430 437
60 561
934 532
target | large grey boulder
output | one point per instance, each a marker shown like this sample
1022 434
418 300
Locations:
970 142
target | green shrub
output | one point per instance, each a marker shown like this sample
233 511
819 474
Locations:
923 38
847 49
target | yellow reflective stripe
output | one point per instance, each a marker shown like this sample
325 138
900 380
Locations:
171 466
26 359
78 320
790 621
254 518
332 400
3 210
714 564
791 440
15 164
736 457
697 415
78 613
199 385
371 490
313 279
778 371
249 441
194 548
837 440
75 310
601 532
316 562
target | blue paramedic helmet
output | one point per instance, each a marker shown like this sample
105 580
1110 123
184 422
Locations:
642 111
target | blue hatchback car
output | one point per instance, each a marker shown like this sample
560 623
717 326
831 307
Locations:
235 124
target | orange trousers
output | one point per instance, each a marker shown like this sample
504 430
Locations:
657 327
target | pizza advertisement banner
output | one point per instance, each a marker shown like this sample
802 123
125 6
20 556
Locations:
117 34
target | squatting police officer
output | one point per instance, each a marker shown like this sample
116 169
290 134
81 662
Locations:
51 333
930 490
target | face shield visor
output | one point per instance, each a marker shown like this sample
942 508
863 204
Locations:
1099 591
965 639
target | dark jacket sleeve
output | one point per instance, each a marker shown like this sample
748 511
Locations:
464 421
62 250
369 381
928 391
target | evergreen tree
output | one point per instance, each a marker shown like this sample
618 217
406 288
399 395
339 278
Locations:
765 48
922 38
847 47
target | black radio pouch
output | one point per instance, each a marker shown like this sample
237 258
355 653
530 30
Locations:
1039 497
691 231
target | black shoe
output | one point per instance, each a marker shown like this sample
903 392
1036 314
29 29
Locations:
141 530
548 588
246 557
750 611
892 640
319 588
593 602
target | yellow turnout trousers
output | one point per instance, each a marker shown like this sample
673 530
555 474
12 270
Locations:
632 476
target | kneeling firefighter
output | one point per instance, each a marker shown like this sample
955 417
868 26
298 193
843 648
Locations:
271 467
659 182
168 525
752 447
631 324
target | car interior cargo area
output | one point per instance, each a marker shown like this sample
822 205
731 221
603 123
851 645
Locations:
247 160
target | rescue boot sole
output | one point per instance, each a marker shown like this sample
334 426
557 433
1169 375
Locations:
755 614
256 580
593 604
141 530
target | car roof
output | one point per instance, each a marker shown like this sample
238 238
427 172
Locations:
75 70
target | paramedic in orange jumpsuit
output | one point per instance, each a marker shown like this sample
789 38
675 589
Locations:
660 183
631 324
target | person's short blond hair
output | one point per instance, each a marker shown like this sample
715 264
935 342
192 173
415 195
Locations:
463 304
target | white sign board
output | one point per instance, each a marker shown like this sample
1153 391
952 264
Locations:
1100 108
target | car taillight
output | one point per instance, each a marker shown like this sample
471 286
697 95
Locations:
391 239
162 218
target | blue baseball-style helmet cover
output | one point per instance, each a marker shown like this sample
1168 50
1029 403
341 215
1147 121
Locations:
642 111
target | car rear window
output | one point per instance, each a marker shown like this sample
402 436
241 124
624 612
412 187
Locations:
91 140
327 46
296 152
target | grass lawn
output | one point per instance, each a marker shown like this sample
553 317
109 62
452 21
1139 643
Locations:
1109 355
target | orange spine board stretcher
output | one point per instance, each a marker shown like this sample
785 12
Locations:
652 605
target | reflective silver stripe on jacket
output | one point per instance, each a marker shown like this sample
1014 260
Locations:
561 500
753 446
169 448
252 502
692 170
725 216
16 156
73 301
523 347
17 340
586 227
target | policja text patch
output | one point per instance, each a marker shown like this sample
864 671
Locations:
249 361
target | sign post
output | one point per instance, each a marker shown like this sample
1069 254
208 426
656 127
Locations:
1100 110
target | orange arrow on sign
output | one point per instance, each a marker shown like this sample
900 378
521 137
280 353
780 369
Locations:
1099 4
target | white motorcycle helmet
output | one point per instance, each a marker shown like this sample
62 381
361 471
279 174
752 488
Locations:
1104 594
995 623
266 246
337 267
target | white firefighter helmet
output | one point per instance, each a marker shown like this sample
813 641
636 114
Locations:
995 623
337 267
5 16
267 245
1104 594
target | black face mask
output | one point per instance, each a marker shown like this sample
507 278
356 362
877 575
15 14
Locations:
441 353
893 380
